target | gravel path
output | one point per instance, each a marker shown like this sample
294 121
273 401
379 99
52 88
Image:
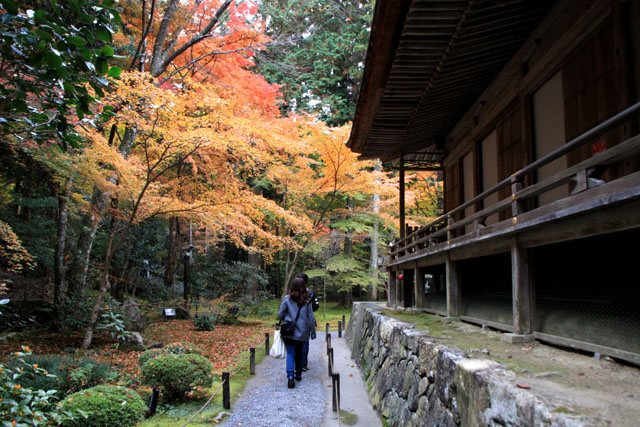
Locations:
267 401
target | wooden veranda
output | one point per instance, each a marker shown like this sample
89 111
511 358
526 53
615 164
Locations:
531 112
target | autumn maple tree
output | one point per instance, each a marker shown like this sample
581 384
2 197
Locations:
188 137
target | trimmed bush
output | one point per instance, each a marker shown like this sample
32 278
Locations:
205 322
149 354
178 374
172 348
104 406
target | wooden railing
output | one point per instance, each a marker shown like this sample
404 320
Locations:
444 228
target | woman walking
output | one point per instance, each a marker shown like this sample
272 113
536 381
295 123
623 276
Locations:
296 308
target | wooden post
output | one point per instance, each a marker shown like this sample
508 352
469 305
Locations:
335 380
153 401
517 206
326 332
330 362
522 295
266 343
449 229
391 292
419 287
344 322
226 393
252 361
328 343
339 329
453 288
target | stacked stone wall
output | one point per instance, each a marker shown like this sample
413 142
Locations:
414 381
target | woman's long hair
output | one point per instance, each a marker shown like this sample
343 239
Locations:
299 292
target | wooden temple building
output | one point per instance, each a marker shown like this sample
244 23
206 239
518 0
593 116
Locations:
530 110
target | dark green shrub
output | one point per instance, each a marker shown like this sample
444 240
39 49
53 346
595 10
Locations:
206 322
104 406
68 375
178 373
149 354
172 348
74 315
244 285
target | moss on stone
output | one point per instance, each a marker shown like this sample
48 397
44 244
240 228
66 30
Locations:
348 418
470 339
564 410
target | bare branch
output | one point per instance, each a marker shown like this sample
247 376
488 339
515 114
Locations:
161 60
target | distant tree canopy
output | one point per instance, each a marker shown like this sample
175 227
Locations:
317 54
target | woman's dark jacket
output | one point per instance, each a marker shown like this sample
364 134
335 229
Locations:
305 326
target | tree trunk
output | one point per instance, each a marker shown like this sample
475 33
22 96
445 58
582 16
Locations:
373 264
125 148
172 254
104 287
58 280
78 271
90 223
291 268
348 250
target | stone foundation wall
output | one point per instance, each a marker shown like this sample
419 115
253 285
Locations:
414 381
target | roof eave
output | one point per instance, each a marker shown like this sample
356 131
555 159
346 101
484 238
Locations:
386 29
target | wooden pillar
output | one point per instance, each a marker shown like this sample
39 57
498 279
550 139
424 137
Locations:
391 292
522 295
419 286
403 233
454 293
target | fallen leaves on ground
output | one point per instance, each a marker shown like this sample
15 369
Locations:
221 346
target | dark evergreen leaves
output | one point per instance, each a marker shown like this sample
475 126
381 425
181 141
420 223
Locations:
48 56
317 54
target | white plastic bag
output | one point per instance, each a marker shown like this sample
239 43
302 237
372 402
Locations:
277 349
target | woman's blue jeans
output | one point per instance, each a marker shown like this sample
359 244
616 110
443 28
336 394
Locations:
294 356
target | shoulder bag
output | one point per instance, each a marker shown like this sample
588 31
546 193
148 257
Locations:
288 327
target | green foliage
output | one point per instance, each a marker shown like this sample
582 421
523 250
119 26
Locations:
42 43
344 271
182 347
114 323
178 374
65 375
242 285
21 404
104 406
317 54
206 321
74 314
149 354
89 373
11 316
172 348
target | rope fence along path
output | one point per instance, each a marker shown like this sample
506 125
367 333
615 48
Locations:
225 382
